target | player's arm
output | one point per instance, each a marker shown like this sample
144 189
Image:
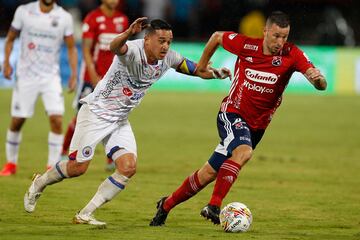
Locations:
316 78
117 45
9 43
72 55
188 67
90 66
209 50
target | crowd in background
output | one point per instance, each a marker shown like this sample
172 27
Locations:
323 22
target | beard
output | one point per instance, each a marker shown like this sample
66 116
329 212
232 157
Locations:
48 2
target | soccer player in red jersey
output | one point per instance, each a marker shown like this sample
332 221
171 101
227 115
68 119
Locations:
262 72
100 27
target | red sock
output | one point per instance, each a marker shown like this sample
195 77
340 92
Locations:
188 188
68 136
226 176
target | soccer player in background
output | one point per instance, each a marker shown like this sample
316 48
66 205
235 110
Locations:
104 114
43 27
262 72
100 27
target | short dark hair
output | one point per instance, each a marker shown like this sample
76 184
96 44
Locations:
158 24
279 18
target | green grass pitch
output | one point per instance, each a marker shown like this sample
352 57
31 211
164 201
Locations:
302 183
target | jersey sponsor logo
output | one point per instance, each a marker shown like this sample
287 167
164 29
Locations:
276 61
251 47
137 96
111 84
105 40
100 19
118 20
232 36
261 77
249 59
257 88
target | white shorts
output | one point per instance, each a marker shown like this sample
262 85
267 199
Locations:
91 129
26 93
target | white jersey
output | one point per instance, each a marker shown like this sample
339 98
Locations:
41 37
126 82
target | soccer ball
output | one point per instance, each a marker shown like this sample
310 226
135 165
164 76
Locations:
235 217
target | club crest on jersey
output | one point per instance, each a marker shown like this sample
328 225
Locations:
276 61
54 23
87 151
31 45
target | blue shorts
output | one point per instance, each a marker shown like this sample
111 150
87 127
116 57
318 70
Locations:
233 132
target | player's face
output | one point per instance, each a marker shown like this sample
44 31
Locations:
48 2
158 43
111 4
274 38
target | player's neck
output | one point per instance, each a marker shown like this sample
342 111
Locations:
46 8
150 59
109 12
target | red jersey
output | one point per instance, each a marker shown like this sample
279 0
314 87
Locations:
259 80
102 30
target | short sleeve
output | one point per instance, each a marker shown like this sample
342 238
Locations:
17 22
233 42
129 56
174 59
69 26
302 61
89 27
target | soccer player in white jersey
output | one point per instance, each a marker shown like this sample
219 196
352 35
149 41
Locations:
43 26
104 114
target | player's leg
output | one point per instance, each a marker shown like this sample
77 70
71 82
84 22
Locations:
22 107
53 101
189 188
121 147
67 138
88 133
238 142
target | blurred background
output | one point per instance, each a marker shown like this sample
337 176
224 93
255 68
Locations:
327 30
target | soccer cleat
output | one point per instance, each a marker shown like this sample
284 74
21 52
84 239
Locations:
161 214
8 169
88 219
211 212
31 196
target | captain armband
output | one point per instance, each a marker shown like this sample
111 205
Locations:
187 67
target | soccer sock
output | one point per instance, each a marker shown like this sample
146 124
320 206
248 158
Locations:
226 176
53 175
106 191
13 140
188 188
55 145
68 136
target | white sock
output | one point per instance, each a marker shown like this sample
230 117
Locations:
13 140
106 191
55 146
53 175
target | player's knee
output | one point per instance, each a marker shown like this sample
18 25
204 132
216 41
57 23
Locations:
76 169
242 154
56 124
126 164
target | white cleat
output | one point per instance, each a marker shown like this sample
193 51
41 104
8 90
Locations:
88 219
31 196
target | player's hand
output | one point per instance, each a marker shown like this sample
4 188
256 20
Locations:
222 73
7 71
72 83
138 25
314 74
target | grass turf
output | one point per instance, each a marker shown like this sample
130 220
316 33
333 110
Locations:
302 183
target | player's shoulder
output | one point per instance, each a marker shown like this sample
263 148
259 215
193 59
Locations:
27 6
61 11
290 49
94 13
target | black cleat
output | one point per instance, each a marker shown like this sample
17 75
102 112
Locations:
211 212
161 214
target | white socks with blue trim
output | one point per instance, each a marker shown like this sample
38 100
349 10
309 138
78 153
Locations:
106 192
13 140
53 175
55 142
